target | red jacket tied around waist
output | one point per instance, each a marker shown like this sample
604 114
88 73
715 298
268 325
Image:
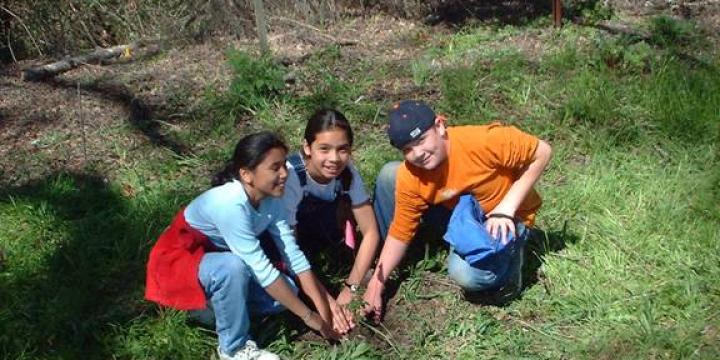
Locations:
172 269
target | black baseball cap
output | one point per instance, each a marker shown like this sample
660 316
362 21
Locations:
408 120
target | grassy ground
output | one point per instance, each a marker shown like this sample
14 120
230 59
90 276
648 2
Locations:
628 266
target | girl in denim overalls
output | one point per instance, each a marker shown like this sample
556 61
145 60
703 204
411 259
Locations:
326 201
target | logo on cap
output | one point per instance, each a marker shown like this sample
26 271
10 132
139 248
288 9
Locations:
415 133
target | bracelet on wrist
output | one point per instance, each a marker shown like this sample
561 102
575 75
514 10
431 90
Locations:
353 287
499 215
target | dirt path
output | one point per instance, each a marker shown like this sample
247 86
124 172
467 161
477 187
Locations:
41 127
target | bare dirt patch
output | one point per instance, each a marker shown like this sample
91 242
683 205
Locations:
41 128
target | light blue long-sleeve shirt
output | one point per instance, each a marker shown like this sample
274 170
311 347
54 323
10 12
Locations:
224 214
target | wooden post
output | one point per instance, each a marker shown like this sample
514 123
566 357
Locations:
557 12
261 24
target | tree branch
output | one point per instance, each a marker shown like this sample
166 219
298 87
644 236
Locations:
24 27
58 67
341 42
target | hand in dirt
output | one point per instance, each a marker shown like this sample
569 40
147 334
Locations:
373 300
350 302
343 320
315 322
499 227
345 297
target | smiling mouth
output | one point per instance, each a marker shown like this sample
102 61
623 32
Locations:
332 170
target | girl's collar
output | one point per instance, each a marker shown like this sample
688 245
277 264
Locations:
309 174
255 205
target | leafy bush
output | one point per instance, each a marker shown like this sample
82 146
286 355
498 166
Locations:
631 89
328 92
669 32
591 10
256 82
623 55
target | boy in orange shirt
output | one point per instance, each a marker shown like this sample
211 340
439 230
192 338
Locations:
497 164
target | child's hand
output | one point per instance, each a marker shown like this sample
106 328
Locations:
342 319
315 322
345 296
344 300
499 227
373 300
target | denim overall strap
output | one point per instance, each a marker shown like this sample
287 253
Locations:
318 234
298 165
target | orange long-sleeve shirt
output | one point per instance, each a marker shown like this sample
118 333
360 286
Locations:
484 160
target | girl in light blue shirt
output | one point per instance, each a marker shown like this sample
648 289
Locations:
212 252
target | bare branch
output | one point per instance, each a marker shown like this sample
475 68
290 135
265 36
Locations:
25 27
341 42
58 67
9 45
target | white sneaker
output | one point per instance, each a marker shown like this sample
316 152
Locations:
249 352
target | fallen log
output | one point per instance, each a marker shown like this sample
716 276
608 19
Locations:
339 42
617 28
98 56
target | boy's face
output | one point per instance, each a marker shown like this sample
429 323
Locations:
429 150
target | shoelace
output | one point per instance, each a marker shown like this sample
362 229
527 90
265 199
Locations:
251 350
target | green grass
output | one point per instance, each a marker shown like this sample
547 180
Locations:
629 267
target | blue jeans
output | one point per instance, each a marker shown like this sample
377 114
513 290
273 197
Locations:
470 278
233 293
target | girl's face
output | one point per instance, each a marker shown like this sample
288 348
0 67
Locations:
268 178
328 155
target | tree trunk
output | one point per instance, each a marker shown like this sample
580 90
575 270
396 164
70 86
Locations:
261 24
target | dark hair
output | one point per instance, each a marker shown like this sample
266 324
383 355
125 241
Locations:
325 120
250 151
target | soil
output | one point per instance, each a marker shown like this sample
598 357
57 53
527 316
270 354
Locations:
52 126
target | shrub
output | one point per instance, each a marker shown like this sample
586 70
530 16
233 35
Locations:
669 32
591 10
256 80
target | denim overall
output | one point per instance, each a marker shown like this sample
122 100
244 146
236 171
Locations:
320 227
